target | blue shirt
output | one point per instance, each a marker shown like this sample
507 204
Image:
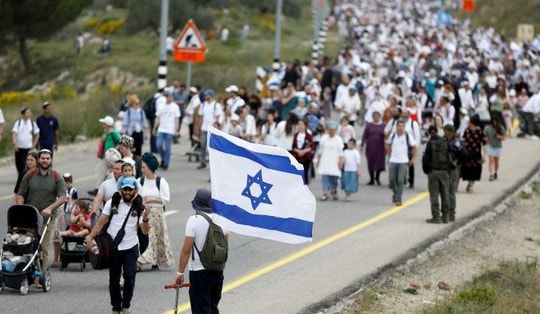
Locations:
47 129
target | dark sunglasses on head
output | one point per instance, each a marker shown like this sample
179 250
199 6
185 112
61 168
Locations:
127 189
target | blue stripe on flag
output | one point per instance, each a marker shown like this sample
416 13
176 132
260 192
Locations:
270 161
237 215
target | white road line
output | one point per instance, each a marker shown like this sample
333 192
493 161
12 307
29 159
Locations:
170 212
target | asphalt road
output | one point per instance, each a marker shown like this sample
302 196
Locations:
351 241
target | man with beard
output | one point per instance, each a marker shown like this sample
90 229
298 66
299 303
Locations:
124 257
44 189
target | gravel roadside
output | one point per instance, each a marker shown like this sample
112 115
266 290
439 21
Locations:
511 232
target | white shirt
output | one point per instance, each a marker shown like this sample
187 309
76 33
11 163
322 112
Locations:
269 135
190 109
23 131
349 106
168 115
330 150
467 99
130 238
211 113
413 128
284 140
160 100
197 227
249 126
107 188
398 144
2 121
235 103
533 104
150 189
352 159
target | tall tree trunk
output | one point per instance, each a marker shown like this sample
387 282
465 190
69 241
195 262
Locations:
25 55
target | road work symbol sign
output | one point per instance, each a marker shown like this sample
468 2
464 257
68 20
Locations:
189 46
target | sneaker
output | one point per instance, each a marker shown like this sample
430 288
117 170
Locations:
433 221
93 192
324 198
491 178
495 177
201 167
125 311
399 204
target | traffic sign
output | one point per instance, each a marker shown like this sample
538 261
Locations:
190 46
467 6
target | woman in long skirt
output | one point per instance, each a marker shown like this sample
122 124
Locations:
373 146
155 195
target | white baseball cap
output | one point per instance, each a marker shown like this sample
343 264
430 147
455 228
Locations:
108 120
232 89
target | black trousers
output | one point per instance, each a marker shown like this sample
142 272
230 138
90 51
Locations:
205 291
138 139
20 159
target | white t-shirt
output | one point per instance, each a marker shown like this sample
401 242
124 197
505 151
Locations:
150 189
399 148
2 121
249 126
197 227
352 159
193 105
235 103
211 113
107 188
23 131
130 238
269 135
284 140
168 114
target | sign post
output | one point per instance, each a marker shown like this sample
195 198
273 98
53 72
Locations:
189 47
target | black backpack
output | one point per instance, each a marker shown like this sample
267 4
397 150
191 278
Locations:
150 108
215 250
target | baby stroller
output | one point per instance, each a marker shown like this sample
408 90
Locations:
73 248
21 250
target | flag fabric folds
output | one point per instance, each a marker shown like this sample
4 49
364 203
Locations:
258 190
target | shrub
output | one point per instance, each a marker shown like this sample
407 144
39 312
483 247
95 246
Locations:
15 98
91 23
110 27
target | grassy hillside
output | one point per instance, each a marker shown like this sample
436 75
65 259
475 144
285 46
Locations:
505 15
232 62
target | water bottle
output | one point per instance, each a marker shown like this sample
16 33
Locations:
94 249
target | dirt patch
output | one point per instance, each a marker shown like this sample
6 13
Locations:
439 273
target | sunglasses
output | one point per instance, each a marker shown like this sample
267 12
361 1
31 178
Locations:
127 189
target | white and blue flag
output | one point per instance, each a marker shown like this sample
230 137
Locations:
258 190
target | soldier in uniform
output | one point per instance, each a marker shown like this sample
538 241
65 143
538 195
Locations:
436 163
458 153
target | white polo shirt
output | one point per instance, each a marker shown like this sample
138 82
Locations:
130 238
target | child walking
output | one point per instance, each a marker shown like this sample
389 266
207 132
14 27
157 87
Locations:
351 169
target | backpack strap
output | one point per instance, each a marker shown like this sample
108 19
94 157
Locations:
195 245
158 181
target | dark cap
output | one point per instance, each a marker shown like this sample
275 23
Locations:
449 128
432 129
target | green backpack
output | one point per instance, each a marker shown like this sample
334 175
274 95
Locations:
216 248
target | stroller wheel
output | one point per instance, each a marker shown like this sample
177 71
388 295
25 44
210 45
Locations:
24 287
2 285
46 281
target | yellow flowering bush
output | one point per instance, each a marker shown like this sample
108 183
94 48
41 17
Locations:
91 23
15 98
115 89
110 27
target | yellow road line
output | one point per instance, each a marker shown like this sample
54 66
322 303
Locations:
312 248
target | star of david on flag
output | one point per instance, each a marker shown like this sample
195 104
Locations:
265 187
258 190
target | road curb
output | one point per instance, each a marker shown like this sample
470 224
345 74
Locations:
337 302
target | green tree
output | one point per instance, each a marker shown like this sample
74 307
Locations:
21 20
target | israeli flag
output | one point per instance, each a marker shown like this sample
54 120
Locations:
258 190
